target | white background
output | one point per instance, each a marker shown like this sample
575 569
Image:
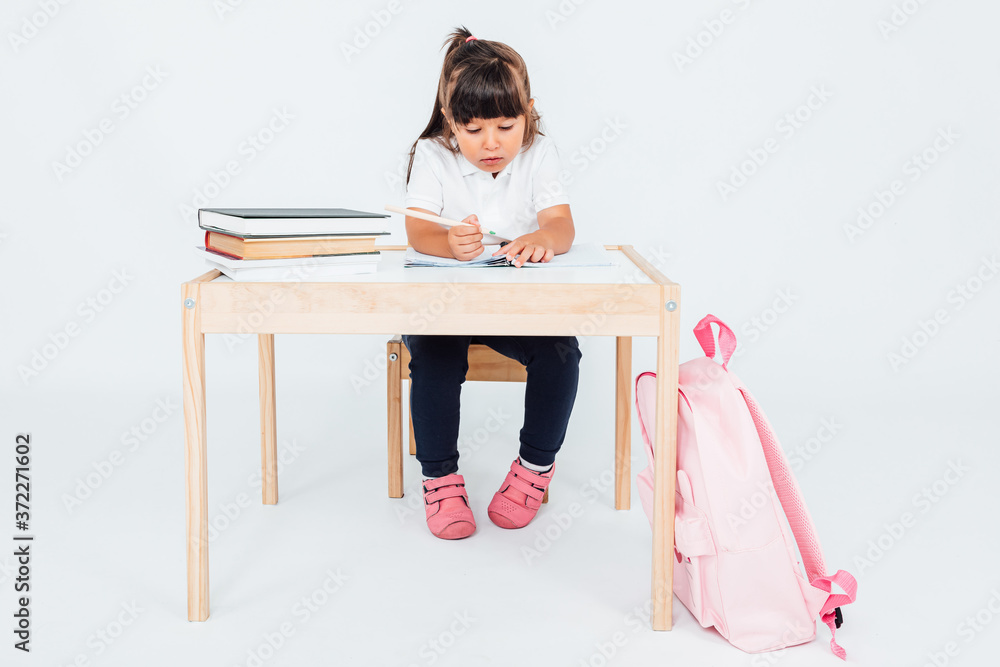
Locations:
819 309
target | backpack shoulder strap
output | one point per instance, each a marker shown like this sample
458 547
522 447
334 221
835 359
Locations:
645 394
801 523
788 493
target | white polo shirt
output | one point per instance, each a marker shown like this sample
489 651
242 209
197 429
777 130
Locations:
452 187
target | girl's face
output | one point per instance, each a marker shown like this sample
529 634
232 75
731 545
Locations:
491 144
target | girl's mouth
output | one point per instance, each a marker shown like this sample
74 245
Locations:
492 160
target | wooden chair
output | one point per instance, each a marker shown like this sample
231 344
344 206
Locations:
487 364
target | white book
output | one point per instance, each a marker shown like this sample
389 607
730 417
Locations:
294 274
291 221
582 254
292 269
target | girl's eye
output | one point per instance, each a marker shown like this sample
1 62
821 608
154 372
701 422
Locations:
470 131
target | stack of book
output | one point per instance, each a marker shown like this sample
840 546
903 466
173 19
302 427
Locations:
290 244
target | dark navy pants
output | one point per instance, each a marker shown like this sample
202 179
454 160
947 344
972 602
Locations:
438 365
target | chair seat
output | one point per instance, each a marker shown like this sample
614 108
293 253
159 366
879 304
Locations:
485 364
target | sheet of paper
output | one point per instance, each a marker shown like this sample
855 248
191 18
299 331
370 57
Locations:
584 254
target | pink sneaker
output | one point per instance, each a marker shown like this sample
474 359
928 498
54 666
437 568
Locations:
447 506
519 497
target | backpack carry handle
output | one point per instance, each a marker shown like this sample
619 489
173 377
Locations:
727 339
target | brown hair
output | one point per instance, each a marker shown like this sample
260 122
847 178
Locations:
479 79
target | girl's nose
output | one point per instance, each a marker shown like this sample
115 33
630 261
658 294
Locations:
492 140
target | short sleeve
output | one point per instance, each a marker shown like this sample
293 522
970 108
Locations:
547 188
425 189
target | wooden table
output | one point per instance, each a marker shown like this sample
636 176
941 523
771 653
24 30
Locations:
630 299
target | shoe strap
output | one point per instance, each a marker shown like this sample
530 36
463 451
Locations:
524 486
447 480
431 497
531 476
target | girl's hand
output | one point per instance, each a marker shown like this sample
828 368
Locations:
465 241
533 247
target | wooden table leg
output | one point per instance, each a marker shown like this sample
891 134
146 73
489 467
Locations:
195 458
268 420
623 423
395 417
665 457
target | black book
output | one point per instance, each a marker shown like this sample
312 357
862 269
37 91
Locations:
249 222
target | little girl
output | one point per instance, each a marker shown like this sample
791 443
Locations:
482 153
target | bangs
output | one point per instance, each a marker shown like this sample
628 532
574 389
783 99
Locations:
490 91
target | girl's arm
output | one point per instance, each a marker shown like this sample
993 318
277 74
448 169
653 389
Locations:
555 226
459 242
427 237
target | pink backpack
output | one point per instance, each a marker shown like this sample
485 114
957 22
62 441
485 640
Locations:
736 561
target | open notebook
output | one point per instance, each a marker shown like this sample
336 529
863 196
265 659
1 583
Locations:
584 254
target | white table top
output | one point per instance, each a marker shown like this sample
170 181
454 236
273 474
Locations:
391 270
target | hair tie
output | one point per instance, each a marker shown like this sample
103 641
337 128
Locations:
469 39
